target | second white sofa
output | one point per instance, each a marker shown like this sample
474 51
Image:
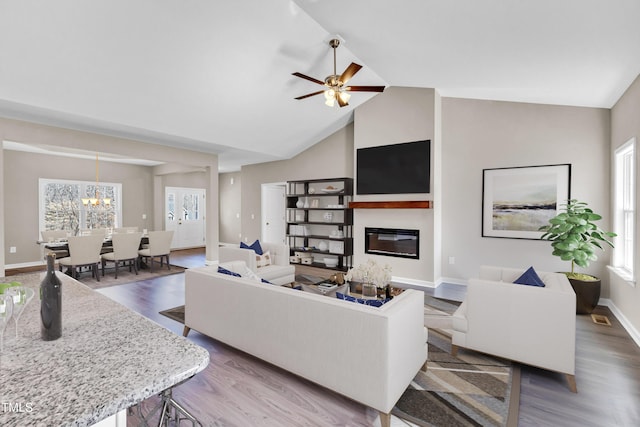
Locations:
529 324
366 353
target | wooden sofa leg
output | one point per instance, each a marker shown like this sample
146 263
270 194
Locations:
385 419
185 331
454 350
571 379
424 367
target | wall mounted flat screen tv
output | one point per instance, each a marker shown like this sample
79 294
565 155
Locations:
394 169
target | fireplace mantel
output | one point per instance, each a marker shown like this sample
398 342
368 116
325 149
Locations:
410 204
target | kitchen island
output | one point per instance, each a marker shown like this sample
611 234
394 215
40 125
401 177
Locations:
109 358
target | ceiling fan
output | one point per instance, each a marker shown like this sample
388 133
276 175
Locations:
335 84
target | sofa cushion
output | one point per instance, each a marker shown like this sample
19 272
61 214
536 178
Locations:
263 260
255 246
369 302
249 274
273 272
530 277
223 270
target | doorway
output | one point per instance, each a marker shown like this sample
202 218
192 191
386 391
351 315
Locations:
185 212
273 213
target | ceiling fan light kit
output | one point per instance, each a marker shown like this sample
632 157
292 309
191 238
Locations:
336 90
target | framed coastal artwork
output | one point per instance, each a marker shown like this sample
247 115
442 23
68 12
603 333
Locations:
517 201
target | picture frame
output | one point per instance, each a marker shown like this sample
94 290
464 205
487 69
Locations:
517 201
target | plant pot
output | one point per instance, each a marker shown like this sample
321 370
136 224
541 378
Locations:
587 294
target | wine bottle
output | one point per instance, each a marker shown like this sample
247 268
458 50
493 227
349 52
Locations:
50 302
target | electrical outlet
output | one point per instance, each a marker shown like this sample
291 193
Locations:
452 260
12 250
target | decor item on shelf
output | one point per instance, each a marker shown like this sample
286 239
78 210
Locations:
312 190
306 203
96 201
575 237
300 203
335 84
50 302
330 189
315 203
323 245
328 216
371 272
331 262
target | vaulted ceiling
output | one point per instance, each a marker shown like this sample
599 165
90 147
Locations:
215 76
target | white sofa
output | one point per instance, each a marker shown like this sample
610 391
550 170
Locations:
280 272
528 324
366 353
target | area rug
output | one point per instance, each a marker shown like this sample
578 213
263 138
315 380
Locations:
124 276
175 313
470 389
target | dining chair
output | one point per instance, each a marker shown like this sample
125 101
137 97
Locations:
84 251
159 247
125 249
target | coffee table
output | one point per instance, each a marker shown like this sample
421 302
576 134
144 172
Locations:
325 288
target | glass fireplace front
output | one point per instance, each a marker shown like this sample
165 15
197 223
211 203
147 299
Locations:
392 242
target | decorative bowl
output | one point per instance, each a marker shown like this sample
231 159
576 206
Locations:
331 262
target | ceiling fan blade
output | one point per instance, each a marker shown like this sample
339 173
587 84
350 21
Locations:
310 94
311 79
341 103
365 88
350 72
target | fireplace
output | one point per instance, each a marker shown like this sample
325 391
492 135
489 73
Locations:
392 242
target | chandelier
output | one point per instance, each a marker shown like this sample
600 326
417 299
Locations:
95 201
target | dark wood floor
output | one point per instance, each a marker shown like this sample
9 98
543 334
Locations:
240 390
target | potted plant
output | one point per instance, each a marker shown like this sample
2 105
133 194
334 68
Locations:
576 238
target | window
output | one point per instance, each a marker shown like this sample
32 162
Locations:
61 205
625 209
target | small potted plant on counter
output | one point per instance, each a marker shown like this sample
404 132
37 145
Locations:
575 237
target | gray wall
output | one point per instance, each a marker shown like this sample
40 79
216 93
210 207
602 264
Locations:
22 172
398 115
330 158
477 135
625 124
181 159
230 192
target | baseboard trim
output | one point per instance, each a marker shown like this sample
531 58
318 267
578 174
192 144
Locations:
414 282
24 265
452 281
628 326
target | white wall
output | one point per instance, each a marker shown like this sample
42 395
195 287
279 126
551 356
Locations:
477 135
625 124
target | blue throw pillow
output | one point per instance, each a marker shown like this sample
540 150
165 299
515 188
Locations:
255 246
369 302
531 278
229 272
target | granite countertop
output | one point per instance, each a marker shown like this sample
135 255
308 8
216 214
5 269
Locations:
108 359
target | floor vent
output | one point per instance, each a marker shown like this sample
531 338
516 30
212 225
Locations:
600 319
